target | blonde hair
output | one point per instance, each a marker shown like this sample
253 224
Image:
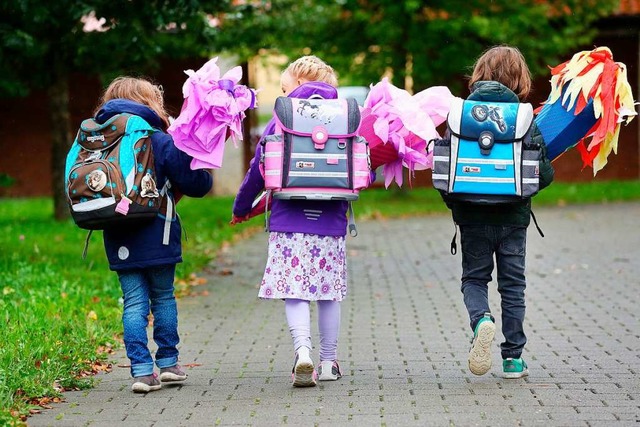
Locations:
139 90
506 65
313 69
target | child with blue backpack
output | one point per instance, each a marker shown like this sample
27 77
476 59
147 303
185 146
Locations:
145 255
307 243
499 230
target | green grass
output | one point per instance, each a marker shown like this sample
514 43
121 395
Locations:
61 314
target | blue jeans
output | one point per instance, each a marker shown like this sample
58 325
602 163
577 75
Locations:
149 289
479 244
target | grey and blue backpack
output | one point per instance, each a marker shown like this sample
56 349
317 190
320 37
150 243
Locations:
487 156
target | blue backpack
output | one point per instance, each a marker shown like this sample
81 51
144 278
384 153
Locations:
487 156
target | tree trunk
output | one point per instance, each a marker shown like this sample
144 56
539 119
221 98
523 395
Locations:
61 140
249 121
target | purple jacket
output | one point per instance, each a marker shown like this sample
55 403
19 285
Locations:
327 218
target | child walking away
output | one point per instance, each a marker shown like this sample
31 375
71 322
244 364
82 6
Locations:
307 246
499 163
145 254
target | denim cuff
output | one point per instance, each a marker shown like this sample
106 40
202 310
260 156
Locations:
167 362
141 369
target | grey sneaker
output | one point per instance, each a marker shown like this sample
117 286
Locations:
480 353
146 384
172 374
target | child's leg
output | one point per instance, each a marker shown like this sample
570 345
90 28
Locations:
329 328
510 259
477 266
298 314
299 320
165 314
135 291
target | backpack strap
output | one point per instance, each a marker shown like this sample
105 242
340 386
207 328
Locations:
266 211
169 214
535 221
353 231
86 245
454 245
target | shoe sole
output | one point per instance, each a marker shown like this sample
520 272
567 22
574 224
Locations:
144 388
304 375
480 354
515 375
168 377
328 377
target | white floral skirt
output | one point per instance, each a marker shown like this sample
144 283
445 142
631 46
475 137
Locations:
305 266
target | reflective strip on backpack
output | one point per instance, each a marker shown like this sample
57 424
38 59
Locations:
318 156
439 177
485 180
485 161
95 204
319 174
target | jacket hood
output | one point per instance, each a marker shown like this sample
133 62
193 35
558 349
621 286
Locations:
492 91
117 106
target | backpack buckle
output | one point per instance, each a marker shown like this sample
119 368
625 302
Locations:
319 135
486 141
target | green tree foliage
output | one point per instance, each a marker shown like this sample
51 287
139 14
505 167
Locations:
423 42
43 42
434 42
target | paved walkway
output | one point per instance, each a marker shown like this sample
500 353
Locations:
405 338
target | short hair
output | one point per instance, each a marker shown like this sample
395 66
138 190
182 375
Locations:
506 65
313 69
137 89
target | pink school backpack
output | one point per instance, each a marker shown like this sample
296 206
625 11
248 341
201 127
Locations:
315 153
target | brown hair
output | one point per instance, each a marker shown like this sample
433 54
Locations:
139 90
313 69
506 65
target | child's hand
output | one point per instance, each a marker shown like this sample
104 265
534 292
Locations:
238 219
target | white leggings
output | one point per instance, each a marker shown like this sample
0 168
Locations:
299 320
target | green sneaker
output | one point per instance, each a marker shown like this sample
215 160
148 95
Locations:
480 353
514 368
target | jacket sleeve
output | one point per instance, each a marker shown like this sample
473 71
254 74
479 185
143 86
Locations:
546 169
251 186
176 165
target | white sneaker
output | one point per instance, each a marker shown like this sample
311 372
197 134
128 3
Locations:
480 353
303 373
329 370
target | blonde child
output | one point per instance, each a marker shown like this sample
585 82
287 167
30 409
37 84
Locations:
306 254
145 266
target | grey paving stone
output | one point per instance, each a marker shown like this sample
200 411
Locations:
405 338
